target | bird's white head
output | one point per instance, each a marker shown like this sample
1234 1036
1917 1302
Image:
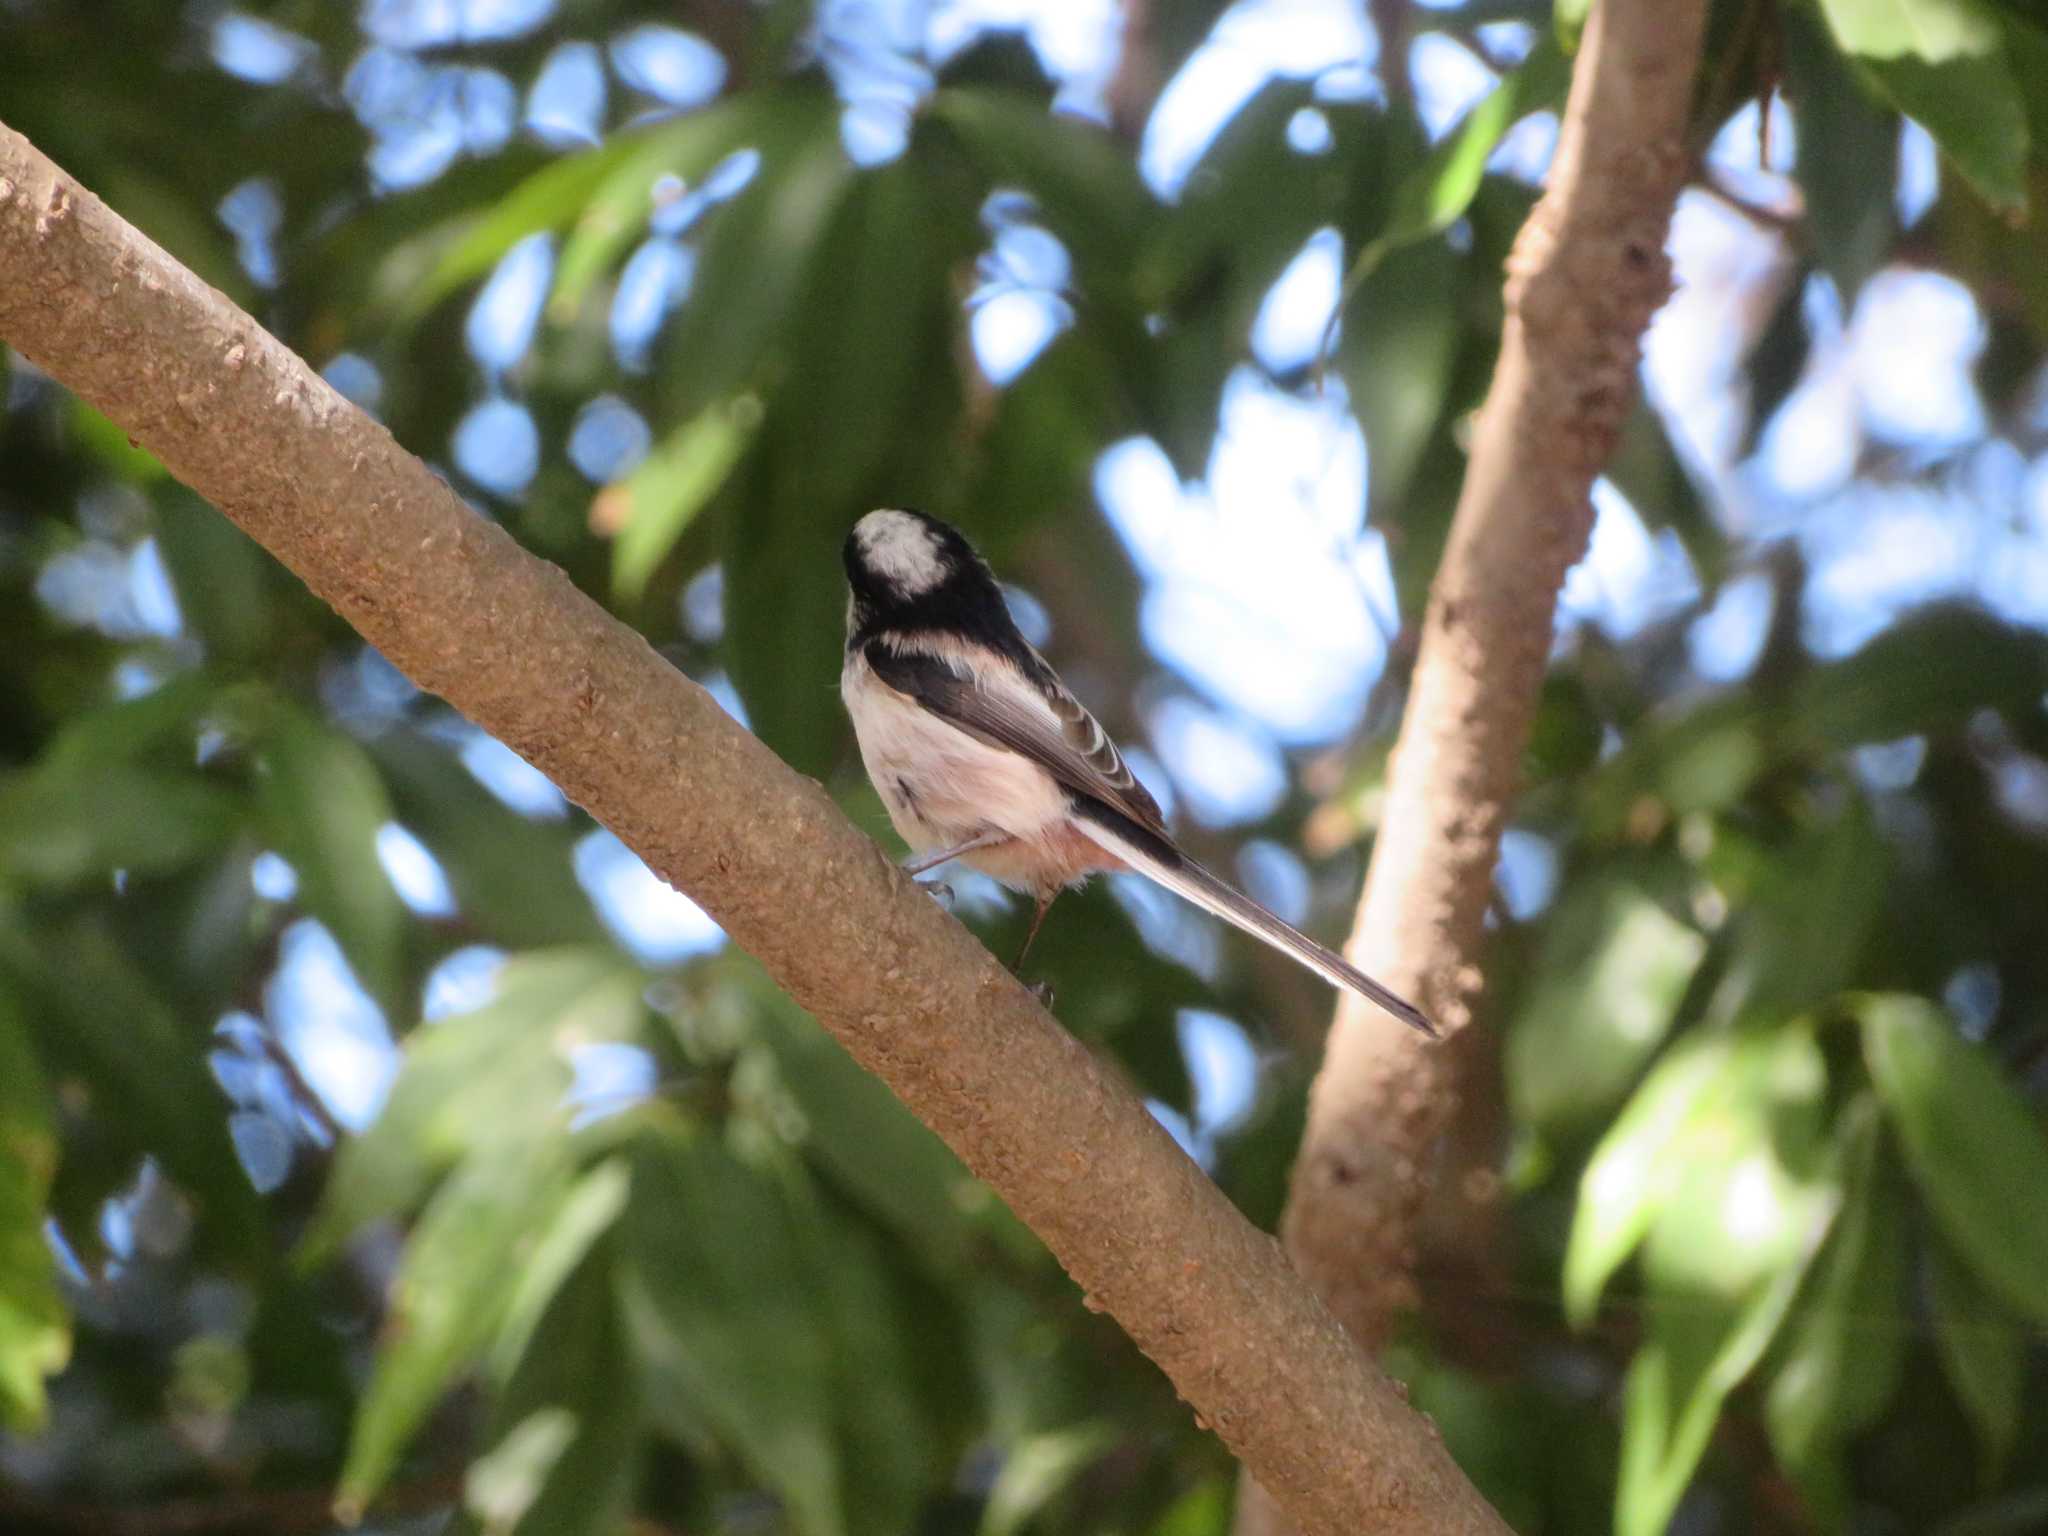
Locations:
902 550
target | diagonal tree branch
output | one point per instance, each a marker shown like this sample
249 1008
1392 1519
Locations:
506 638
1587 272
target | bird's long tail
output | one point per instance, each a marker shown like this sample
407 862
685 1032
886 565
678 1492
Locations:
1158 860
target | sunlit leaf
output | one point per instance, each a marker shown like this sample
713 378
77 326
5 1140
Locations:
1634 1169
1613 969
503 1483
1969 1141
1569 18
617 208
478 1080
1983 1352
1943 62
653 505
321 803
35 1327
1438 192
1697 1163
1036 1470
1676 1385
449 1296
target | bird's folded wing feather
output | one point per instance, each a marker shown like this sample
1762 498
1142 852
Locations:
1035 717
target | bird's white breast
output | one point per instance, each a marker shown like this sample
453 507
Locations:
940 785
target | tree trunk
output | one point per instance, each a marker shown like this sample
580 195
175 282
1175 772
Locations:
1587 272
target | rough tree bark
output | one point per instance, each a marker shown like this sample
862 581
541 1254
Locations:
507 639
1587 272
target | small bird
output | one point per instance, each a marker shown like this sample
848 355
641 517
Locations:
981 753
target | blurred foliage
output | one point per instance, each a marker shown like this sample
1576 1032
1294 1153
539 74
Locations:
615 1239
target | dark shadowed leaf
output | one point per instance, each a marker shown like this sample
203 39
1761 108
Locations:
1841 1363
727 1327
1607 985
574 1369
321 803
1983 1352
1969 1141
227 586
1847 147
1930 672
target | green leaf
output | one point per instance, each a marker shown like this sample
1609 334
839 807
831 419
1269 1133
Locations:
1633 1170
576 1367
1943 63
1399 348
1036 1469
1569 18
504 1483
879 322
1703 1162
1676 1385
100 1013
1848 146
616 211
727 1324
866 1141
656 503
35 1327
1928 673
76 821
1969 1141
1842 1362
904 1396
474 1082
1647 470
1436 195
545 200
731 335
321 803
1983 1353
449 1296
587 1212
225 583
1613 970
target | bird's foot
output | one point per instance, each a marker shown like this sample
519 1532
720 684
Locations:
1042 990
939 891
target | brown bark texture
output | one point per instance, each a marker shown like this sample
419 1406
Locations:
507 639
1587 272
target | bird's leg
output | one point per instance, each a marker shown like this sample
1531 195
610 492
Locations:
917 864
1037 918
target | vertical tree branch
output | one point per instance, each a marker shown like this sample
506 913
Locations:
1587 272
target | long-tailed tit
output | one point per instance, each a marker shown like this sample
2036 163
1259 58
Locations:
981 754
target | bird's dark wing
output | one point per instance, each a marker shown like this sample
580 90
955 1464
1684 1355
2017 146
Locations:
1034 716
